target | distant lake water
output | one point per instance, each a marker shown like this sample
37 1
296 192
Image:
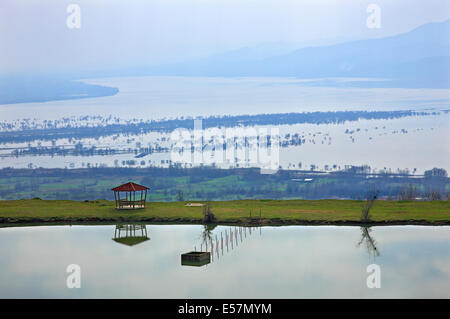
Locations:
268 262
158 97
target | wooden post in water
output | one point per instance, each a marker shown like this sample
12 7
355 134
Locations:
231 239
226 239
260 222
217 247
212 251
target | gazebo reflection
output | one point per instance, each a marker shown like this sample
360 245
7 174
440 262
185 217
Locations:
130 234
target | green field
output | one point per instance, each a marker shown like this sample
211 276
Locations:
208 184
266 212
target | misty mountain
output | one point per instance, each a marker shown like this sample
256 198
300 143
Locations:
419 58
416 59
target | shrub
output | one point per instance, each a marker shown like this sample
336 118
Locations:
208 216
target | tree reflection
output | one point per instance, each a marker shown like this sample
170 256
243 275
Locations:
207 234
369 242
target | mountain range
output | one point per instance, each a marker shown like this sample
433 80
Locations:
419 58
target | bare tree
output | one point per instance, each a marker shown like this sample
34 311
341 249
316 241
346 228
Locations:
433 194
408 193
367 205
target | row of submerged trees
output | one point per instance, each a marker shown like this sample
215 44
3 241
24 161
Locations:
412 192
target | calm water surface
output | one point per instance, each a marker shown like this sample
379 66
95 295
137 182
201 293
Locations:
268 262
155 97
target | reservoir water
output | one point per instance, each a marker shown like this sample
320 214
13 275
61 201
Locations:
267 262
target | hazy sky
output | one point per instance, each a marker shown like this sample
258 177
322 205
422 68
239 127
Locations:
34 35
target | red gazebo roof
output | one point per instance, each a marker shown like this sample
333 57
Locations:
130 187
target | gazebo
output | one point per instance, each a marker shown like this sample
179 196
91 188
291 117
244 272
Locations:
131 200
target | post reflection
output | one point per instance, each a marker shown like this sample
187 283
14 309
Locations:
229 239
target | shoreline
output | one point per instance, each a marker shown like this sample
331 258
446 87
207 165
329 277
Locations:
13 222
239 212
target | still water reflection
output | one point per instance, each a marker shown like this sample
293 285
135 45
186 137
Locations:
268 262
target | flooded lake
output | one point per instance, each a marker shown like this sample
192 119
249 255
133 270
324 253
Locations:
268 262
415 143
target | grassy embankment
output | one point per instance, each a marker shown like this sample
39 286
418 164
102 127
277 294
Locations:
273 212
